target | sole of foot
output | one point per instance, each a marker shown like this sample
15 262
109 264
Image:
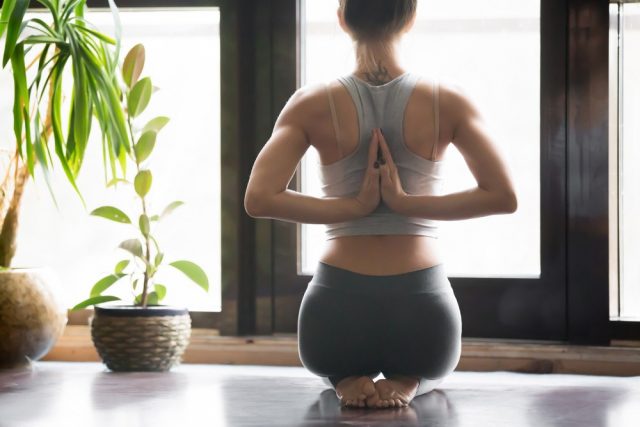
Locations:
354 391
393 392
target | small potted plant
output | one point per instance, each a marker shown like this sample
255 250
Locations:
145 336
44 57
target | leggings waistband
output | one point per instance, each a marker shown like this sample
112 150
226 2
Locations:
430 279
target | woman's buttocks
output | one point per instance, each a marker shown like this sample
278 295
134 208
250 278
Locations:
401 323
382 254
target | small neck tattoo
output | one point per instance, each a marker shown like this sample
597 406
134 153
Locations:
379 76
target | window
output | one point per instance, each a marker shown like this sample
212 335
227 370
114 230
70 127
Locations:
492 53
624 157
183 60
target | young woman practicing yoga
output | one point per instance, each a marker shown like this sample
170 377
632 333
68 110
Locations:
380 300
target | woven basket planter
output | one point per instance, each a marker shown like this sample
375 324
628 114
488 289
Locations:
130 338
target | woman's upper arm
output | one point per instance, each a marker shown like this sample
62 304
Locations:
276 163
471 138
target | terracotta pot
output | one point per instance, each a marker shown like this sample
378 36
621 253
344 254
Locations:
131 338
32 315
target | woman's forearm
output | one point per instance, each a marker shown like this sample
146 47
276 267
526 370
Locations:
467 204
296 207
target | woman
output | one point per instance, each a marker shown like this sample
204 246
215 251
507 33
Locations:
379 301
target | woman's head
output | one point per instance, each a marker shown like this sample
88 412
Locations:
376 21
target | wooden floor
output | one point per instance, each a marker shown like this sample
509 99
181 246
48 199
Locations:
69 394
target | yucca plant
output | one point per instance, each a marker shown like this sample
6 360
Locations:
145 255
41 55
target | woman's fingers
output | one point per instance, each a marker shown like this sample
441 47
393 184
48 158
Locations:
386 154
373 149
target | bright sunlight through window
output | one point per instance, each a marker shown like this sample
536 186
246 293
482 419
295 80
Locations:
183 62
492 51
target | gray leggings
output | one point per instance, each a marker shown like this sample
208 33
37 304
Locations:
358 324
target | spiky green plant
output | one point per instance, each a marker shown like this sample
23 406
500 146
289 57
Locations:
41 54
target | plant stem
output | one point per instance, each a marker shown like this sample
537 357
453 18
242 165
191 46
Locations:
147 254
9 226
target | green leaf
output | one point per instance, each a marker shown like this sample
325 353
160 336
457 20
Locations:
159 258
152 299
133 65
142 182
21 95
139 97
170 208
14 28
121 266
115 181
143 223
154 217
161 290
156 124
97 34
7 8
93 301
133 246
150 270
145 145
56 122
112 213
193 272
105 283
135 284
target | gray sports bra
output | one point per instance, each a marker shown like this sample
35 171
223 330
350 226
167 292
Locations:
382 106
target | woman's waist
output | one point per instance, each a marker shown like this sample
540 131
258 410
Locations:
382 254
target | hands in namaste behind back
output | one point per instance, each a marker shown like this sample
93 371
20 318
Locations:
381 179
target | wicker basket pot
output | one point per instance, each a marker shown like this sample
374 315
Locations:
131 338
32 315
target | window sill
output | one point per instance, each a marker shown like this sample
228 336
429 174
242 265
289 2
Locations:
207 346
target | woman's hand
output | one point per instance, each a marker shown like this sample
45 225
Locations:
369 197
390 185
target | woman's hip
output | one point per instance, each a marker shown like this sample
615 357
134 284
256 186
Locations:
421 301
409 320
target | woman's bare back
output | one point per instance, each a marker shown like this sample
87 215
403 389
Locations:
376 254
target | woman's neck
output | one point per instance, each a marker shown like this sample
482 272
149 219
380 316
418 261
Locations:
377 63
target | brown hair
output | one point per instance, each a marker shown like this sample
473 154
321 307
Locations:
377 20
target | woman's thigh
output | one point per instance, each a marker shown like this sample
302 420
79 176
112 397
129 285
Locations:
422 335
337 333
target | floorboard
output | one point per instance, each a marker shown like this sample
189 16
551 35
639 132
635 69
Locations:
68 394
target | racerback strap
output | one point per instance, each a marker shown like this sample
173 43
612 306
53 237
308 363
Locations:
334 118
436 109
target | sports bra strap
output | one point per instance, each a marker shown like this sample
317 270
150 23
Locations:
436 109
334 118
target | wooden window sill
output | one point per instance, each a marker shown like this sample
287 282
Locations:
622 358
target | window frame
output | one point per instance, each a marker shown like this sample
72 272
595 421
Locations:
199 319
261 291
573 288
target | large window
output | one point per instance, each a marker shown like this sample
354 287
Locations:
493 53
183 61
624 108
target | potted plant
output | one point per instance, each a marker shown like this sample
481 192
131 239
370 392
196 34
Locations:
145 336
41 54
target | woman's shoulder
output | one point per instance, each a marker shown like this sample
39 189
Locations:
311 100
453 98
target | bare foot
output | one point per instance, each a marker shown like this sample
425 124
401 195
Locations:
394 392
354 391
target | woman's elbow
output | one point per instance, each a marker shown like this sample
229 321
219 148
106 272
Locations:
509 203
254 204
